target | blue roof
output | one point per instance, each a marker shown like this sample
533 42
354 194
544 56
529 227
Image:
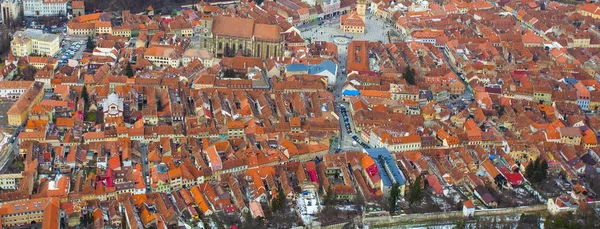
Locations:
383 159
570 80
327 65
351 92
296 67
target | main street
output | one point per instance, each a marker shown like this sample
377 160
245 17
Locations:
376 30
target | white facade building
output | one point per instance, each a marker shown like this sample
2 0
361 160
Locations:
37 8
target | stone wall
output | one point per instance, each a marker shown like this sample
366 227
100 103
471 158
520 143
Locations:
386 221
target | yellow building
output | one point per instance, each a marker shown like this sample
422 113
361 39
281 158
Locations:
570 135
589 9
80 29
88 25
17 114
10 181
123 31
352 23
36 42
26 212
542 96
103 27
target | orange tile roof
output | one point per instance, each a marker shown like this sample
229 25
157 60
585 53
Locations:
65 122
99 24
267 32
531 37
235 125
358 57
51 212
490 168
88 17
589 7
352 19
233 27
295 121
77 5
469 204
199 199
589 138
375 93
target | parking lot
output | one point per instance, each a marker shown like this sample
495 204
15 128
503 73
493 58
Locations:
70 48
4 106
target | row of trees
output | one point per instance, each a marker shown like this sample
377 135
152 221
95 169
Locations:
536 171
4 43
409 75
415 194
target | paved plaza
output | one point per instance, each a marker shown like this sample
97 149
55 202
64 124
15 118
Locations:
375 30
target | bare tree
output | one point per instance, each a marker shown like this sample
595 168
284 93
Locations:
28 73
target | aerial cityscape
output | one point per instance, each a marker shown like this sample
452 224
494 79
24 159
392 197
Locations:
299 114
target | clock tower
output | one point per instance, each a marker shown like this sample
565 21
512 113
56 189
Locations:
361 8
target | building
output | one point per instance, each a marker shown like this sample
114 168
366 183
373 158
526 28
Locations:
92 24
112 106
388 170
468 208
13 89
326 68
589 9
197 54
10 181
583 96
394 143
10 9
352 23
235 129
164 55
78 8
570 135
45 77
26 212
562 204
38 8
26 98
330 7
358 57
36 42
232 35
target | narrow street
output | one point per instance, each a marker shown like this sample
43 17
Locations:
144 152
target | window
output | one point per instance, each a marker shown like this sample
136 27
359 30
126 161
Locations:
268 53
258 51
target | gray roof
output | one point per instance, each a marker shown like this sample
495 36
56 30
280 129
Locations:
37 35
